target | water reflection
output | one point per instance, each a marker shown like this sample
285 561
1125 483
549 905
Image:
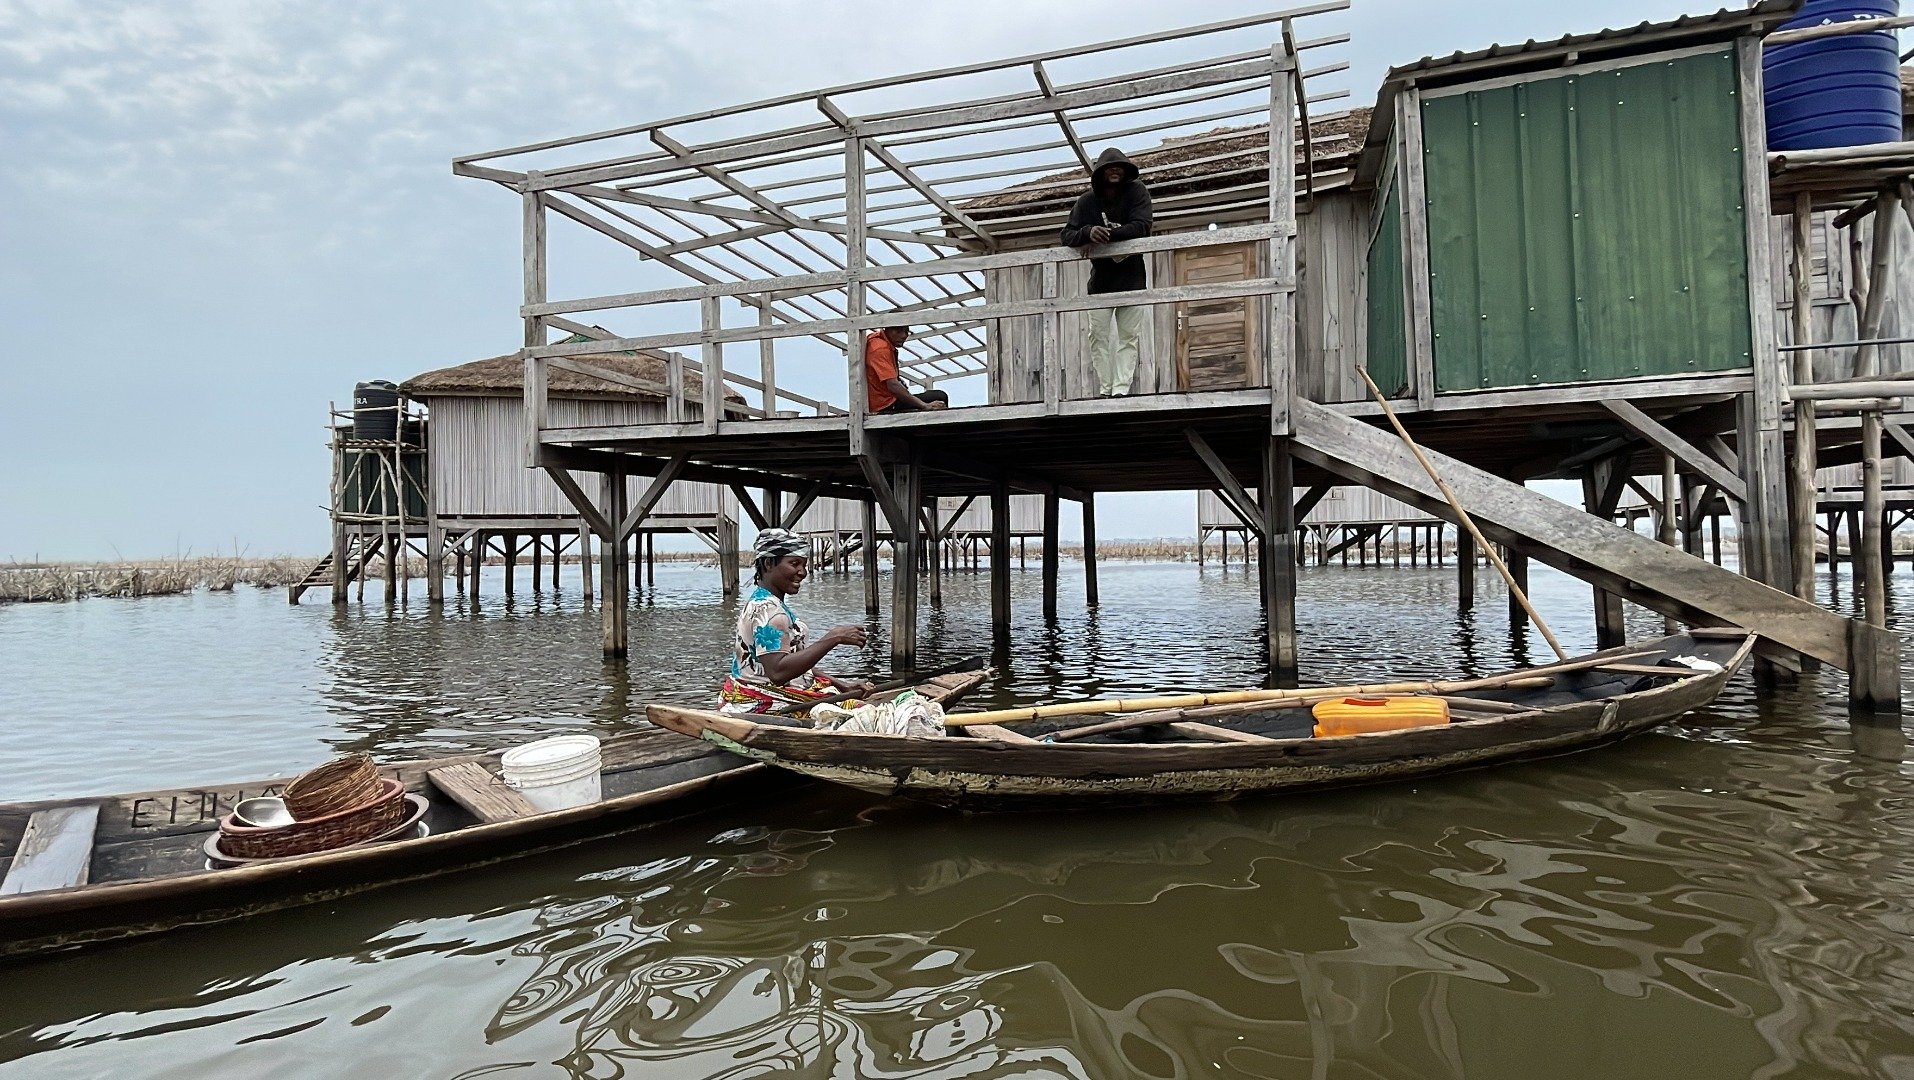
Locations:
1727 899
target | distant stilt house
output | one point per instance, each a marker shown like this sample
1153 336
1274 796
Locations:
468 496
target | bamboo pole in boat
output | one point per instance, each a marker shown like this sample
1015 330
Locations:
1462 515
1232 697
1172 716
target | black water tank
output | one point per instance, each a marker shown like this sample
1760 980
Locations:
375 410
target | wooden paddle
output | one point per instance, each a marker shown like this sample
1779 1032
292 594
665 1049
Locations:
968 663
1232 697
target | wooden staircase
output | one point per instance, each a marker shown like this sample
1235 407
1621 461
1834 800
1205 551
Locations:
321 573
1662 578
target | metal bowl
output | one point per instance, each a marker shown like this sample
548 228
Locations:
263 813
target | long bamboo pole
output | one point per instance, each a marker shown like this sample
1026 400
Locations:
1462 515
1311 693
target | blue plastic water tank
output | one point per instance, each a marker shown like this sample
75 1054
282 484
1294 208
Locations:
1837 91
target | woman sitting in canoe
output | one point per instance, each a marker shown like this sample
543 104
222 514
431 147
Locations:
772 661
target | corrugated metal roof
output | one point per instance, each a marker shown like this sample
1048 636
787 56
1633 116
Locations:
1497 60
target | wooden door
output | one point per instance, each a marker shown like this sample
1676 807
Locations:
1218 344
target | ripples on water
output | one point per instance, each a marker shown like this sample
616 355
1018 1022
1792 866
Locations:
1727 899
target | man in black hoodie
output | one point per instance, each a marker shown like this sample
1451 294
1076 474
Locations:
1116 208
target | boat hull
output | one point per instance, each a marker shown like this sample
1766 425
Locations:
988 774
149 873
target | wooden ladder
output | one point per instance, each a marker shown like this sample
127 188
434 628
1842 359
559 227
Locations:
321 573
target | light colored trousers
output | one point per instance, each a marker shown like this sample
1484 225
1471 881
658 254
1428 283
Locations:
1114 362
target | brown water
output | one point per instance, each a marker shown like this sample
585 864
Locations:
1728 898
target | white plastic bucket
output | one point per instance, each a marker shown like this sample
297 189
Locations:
554 773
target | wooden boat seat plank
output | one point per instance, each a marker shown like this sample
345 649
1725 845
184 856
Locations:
1001 734
1212 733
56 852
1651 669
470 785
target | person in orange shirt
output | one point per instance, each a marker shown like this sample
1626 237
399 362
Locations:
884 387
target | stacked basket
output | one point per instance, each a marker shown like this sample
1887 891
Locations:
340 803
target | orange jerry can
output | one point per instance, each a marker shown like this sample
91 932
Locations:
1360 715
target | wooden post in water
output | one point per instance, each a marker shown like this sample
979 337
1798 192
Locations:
538 563
1090 549
907 482
1000 560
616 567
1802 465
1518 564
434 562
935 542
479 541
728 530
584 562
1464 571
458 569
1276 559
867 550
1050 554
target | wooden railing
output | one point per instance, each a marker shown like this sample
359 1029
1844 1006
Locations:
712 334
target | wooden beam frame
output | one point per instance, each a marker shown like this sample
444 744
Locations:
1229 487
1679 448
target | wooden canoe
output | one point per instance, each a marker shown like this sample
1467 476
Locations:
1552 709
77 871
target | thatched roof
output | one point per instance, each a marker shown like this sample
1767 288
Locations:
1218 158
504 376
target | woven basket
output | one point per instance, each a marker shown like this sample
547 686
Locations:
383 813
339 784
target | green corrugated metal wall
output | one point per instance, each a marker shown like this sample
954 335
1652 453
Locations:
1388 358
1588 227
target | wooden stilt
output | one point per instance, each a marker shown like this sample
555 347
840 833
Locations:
1465 572
616 572
907 482
1090 549
458 569
1802 464
728 531
867 549
341 546
584 562
478 564
651 559
1000 561
1050 554
935 541
511 563
1277 560
1873 520
371 546
434 564
1857 573
558 552
1518 564
538 563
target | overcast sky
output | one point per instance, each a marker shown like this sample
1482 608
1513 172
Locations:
217 215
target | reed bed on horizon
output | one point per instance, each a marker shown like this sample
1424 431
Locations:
44 582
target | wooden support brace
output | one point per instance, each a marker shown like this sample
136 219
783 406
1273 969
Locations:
1229 488
1674 445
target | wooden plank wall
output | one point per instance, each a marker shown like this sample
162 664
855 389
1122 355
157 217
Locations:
1331 321
477 464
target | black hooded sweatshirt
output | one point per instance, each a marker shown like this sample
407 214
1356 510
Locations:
1125 207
